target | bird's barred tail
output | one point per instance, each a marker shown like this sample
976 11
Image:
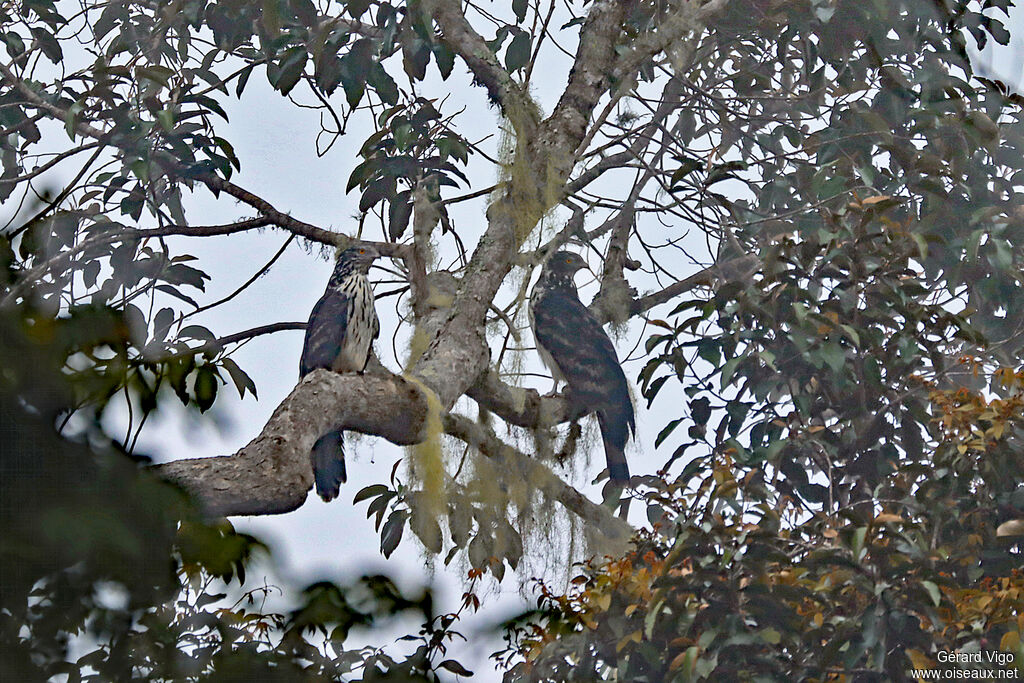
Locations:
618 470
328 459
614 433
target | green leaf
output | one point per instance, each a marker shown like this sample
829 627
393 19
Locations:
445 59
48 44
166 119
205 387
664 433
15 45
157 74
518 52
243 78
427 530
399 212
381 81
519 8
834 356
305 11
355 67
196 332
455 668
71 118
391 534
289 70
356 8
933 592
239 377
729 369
368 492
700 410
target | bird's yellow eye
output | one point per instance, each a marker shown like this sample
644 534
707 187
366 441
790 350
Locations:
362 251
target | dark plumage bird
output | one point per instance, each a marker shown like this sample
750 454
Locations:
339 335
574 346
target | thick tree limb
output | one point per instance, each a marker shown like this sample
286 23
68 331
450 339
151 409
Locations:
272 474
563 131
518 406
462 39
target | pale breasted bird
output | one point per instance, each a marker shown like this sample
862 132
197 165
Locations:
339 337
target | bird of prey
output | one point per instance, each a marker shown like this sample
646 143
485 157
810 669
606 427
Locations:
339 335
574 346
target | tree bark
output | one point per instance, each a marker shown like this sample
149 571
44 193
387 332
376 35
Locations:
272 474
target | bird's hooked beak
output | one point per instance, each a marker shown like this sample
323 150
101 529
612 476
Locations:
579 264
368 255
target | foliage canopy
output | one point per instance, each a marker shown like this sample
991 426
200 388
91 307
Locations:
840 497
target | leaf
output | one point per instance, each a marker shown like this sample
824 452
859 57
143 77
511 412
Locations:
243 78
173 291
399 212
391 534
289 70
427 530
445 59
166 119
887 517
381 81
355 67
48 44
417 56
357 8
368 492
197 332
305 11
834 356
113 14
519 8
90 272
239 377
664 433
455 668
700 410
518 52
729 369
71 118
933 592
205 387
870 201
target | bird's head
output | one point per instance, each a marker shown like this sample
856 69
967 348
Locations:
562 265
357 258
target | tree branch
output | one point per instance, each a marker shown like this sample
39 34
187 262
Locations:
219 343
596 516
294 225
561 133
518 406
272 474
462 39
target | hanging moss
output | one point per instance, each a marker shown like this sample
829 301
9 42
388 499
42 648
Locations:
426 466
529 186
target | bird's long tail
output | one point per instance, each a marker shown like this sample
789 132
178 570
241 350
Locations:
328 459
614 434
